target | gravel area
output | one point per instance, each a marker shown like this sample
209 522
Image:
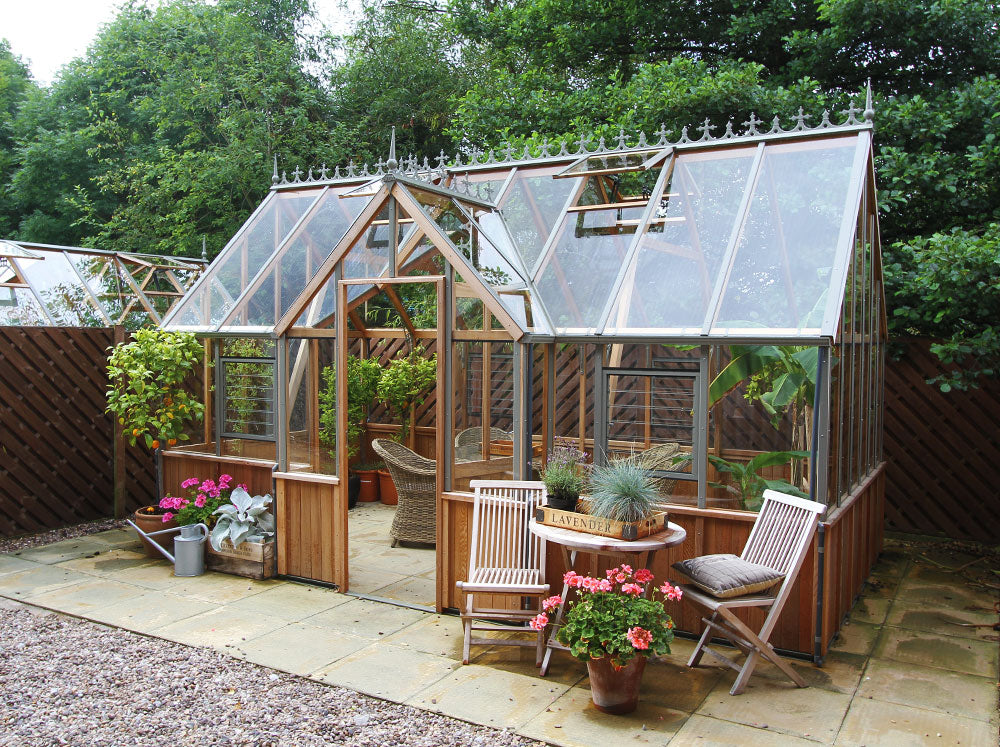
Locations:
65 681
13 544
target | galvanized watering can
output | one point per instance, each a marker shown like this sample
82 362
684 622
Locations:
189 548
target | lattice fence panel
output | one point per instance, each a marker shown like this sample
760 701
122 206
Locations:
943 452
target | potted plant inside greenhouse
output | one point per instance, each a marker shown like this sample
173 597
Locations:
564 475
363 377
148 397
403 387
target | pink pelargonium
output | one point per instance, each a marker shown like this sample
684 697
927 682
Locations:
604 585
640 638
190 482
539 621
673 593
590 584
631 589
552 603
225 481
620 578
200 500
207 487
167 517
643 575
626 568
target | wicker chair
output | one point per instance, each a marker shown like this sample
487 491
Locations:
469 442
663 457
415 479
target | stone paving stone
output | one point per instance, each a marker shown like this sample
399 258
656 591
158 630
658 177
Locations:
702 730
220 588
412 590
366 619
291 601
369 581
880 587
108 561
840 672
386 671
674 685
409 560
872 722
931 689
39 580
486 696
782 707
892 562
123 538
952 594
158 575
13 564
934 650
872 610
563 668
856 638
573 721
222 628
941 619
60 551
298 648
433 634
147 610
84 598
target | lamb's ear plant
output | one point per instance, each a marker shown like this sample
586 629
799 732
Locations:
245 516
622 490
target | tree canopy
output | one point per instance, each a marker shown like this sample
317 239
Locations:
166 129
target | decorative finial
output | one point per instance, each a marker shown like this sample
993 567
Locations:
391 164
869 109
274 176
800 120
752 123
204 251
706 130
852 111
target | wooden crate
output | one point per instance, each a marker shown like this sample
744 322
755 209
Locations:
251 559
581 522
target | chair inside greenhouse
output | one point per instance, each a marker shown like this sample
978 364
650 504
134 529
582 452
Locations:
718 298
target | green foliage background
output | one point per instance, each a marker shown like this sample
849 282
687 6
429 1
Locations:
165 130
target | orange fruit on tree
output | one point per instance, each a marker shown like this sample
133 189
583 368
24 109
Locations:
156 444
171 442
135 431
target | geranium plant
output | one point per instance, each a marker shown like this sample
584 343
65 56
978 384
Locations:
204 497
147 392
612 617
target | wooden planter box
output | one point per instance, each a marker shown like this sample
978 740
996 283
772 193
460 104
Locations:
579 522
251 559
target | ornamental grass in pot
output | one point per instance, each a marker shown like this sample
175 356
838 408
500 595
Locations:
564 475
614 624
622 490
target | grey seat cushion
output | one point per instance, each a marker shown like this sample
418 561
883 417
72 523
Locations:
726 575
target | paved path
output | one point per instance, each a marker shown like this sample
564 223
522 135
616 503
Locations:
902 672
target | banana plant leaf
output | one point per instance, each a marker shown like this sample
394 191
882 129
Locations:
746 362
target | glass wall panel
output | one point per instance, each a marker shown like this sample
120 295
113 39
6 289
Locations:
18 308
57 284
241 260
670 283
311 406
781 270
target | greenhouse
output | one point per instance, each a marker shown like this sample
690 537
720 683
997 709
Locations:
64 286
711 306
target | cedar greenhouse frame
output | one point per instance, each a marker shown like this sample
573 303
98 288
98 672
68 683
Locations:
599 294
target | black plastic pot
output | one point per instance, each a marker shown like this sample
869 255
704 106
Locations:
353 489
562 502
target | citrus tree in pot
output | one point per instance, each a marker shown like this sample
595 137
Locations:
614 624
152 406
363 376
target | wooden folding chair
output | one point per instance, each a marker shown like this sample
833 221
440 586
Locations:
505 560
780 540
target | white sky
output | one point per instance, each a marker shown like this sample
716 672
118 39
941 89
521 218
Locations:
49 33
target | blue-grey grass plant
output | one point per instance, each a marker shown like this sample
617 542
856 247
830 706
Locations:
622 490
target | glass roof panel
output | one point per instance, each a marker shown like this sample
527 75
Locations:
591 244
291 269
101 273
18 308
60 289
670 281
242 259
531 208
782 268
608 163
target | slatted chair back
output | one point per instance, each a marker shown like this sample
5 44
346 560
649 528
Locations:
503 551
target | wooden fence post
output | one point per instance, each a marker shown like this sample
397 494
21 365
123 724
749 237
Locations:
118 441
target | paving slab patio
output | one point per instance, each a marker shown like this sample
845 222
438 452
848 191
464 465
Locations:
903 670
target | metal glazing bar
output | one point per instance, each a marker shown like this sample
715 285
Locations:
820 456
699 449
281 376
519 412
90 293
445 317
600 409
220 396
553 238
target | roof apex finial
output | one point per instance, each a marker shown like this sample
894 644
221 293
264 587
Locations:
274 176
869 114
204 251
391 164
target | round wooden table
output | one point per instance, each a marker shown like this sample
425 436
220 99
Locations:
572 543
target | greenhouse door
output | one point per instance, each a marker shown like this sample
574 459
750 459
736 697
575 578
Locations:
396 313
645 409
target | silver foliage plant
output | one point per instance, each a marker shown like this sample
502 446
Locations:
246 515
622 490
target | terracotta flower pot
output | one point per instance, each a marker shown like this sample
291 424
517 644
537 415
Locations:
387 488
369 485
615 691
150 522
